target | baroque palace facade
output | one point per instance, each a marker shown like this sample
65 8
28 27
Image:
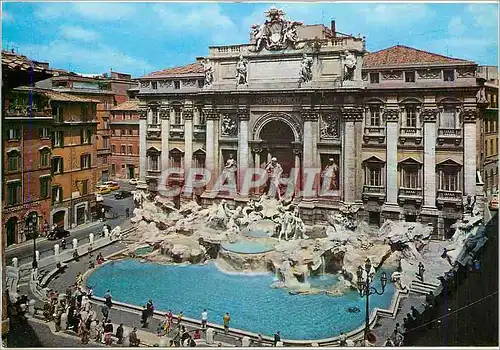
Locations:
399 127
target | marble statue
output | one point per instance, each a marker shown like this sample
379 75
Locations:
221 215
209 72
349 65
229 171
329 176
290 36
481 96
299 226
228 126
274 171
259 33
306 69
242 71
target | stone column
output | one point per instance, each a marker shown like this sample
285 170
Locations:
352 120
391 182
310 118
243 149
142 145
165 136
188 138
212 142
429 118
469 117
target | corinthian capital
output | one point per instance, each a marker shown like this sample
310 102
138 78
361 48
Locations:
469 115
352 114
429 115
187 113
391 115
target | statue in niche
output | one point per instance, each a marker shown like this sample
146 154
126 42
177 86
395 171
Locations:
274 171
209 72
242 71
349 65
481 96
229 171
306 69
329 177
228 126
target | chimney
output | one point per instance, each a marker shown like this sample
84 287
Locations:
332 28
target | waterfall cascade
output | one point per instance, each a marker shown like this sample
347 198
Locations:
323 268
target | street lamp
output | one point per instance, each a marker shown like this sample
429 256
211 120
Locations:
365 277
32 230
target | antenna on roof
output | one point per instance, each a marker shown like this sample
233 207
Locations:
447 54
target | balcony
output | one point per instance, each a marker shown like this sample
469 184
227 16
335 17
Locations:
450 197
374 133
177 131
103 151
374 192
410 195
199 131
449 136
154 134
153 173
412 134
154 126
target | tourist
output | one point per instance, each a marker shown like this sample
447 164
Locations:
75 255
119 333
127 213
150 308
421 270
415 314
108 330
388 342
134 341
108 298
98 331
197 334
342 339
79 279
430 300
192 343
226 319
170 318
277 338
144 317
105 311
184 335
99 259
204 318
180 316
166 324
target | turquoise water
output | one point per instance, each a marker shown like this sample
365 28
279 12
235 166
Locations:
251 303
143 250
255 233
247 247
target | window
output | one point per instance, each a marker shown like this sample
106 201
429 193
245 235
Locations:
494 104
113 169
85 187
130 132
154 85
113 148
14 193
449 75
57 194
201 83
129 149
122 149
13 159
44 187
13 134
85 161
123 166
113 132
177 116
154 116
44 133
448 179
411 177
57 113
44 158
374 78
123 116
410 77
86 136
123 132
85 112
486 148
411 116
57 165
105 142
58 139
104 159
153 162
374 177
375 116
448 118
492 150
492 126
177 84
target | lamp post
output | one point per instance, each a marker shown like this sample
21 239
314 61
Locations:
31 227
365 277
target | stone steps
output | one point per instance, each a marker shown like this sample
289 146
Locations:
420 287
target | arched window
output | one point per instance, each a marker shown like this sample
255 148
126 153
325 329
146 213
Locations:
13 160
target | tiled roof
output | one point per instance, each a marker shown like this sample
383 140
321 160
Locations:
127 106
193 68
57 96
400 55
14 61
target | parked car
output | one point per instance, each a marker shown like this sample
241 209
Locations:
103 189
58 233
122 194
494 201
113 185
132 181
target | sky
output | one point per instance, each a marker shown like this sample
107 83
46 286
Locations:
139 38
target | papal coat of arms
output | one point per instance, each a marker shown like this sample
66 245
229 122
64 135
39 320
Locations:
276 33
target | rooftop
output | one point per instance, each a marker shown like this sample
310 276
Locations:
193 68
127 106
400 55
57 96
14 61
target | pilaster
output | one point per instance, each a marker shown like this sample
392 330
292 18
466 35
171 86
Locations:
187 115
310 118
165 136
243 148
351 152
469 117
429 117
392 118
142 145
212 137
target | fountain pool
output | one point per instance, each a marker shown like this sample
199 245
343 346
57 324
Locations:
247 247
251 303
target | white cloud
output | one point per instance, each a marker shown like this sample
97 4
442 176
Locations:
89 10
97 57
484 15
395 14
78 33
456 26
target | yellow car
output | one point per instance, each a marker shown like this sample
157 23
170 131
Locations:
102 189
112 185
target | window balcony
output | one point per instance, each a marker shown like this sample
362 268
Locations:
103 151
372 191
411 134
407 194
153 173
451 197
154 126
176 127
177 131
374 133
154 134
449 135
